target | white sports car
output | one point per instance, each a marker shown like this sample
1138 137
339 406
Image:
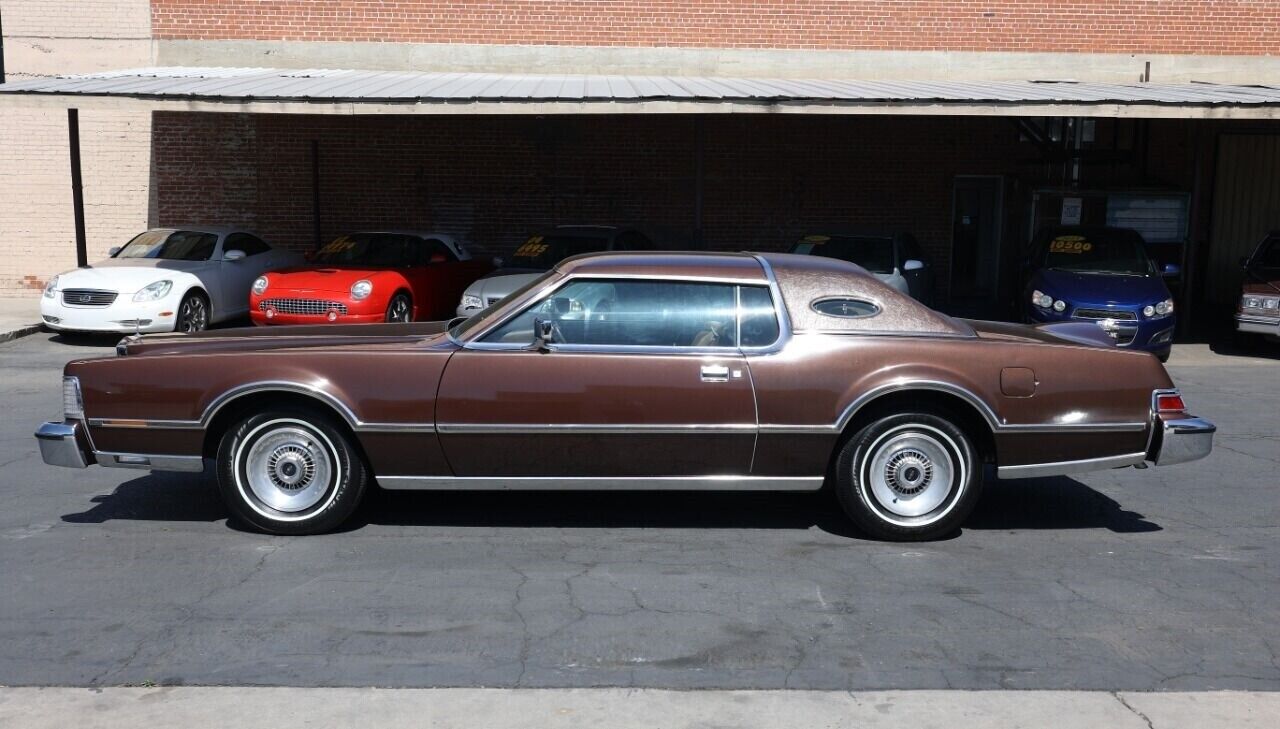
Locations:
164 280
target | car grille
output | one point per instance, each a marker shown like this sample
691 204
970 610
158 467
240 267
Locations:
1104 314
317 307
87 297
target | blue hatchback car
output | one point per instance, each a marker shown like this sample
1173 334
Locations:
1101 274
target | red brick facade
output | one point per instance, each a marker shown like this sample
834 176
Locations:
767 179
1227 27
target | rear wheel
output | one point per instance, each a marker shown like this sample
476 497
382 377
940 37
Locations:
400 309
290 471
909 477
193 313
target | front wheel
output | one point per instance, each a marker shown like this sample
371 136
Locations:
290 471
193 314
908 477
400 309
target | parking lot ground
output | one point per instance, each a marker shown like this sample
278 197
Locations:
1162 579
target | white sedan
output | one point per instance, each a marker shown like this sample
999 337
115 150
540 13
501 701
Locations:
164 280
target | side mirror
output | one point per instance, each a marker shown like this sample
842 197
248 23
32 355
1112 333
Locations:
233 255
113 250
543 334
913 265
1171 270
455 321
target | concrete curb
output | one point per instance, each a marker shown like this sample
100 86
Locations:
19 332
618 708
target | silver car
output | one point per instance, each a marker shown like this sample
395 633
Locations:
894 258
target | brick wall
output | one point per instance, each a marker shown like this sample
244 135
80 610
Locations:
1232 27
495 180
76 18
37 233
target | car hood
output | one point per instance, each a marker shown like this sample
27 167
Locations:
1096 288
126 276
260 339
331 280
496 287
1258 283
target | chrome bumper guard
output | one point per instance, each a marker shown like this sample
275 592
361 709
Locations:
1184 439
58 446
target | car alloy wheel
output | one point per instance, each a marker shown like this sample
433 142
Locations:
909 477
193 314
400 309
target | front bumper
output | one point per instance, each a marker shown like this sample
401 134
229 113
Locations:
1148 335
1183 440
1257 325
260 318
123 316
59 445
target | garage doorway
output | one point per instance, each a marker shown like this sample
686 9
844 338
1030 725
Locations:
976 225
1246 204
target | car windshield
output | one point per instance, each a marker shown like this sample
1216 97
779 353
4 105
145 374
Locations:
1117 252
483 316
541 252
371 249
1268 256
874 253
167 245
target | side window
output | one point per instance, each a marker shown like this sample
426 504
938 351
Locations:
435 251
633 240
186 245
250 244
634 313
757 316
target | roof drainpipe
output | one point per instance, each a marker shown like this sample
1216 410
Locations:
1 48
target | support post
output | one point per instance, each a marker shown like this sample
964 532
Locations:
315 194
699 147
77 187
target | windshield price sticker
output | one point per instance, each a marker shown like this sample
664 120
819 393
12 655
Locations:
532 248
1070 244
339 246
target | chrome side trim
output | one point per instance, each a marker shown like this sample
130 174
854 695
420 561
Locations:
594 483
784 429
150 462
249 388
1037 470
597 429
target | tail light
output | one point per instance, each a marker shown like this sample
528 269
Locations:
1170 402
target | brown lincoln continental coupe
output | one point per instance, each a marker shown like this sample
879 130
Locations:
635 371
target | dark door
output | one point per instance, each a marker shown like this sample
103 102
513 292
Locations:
975 240
644 380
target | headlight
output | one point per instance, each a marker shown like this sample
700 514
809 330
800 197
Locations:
51 288
1059 306
155 291
1041 299
1155 311
471 301
72 402
361 289
260 285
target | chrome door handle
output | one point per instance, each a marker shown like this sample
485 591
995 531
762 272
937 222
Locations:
715 373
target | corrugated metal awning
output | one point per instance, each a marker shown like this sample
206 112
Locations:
404 92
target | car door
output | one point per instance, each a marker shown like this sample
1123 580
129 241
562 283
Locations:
235 277
644 379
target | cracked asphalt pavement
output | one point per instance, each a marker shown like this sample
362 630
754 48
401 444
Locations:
1157 579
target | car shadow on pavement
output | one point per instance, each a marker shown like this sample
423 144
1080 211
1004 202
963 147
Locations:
1057 502
1048 503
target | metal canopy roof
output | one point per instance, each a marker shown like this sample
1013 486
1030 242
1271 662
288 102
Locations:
356 91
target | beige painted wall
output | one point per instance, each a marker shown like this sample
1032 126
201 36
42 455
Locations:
37 233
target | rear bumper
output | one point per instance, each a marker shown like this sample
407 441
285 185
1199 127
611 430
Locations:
60 447
1183 440
1257 325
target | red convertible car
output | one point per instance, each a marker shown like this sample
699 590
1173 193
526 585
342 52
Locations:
369 277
